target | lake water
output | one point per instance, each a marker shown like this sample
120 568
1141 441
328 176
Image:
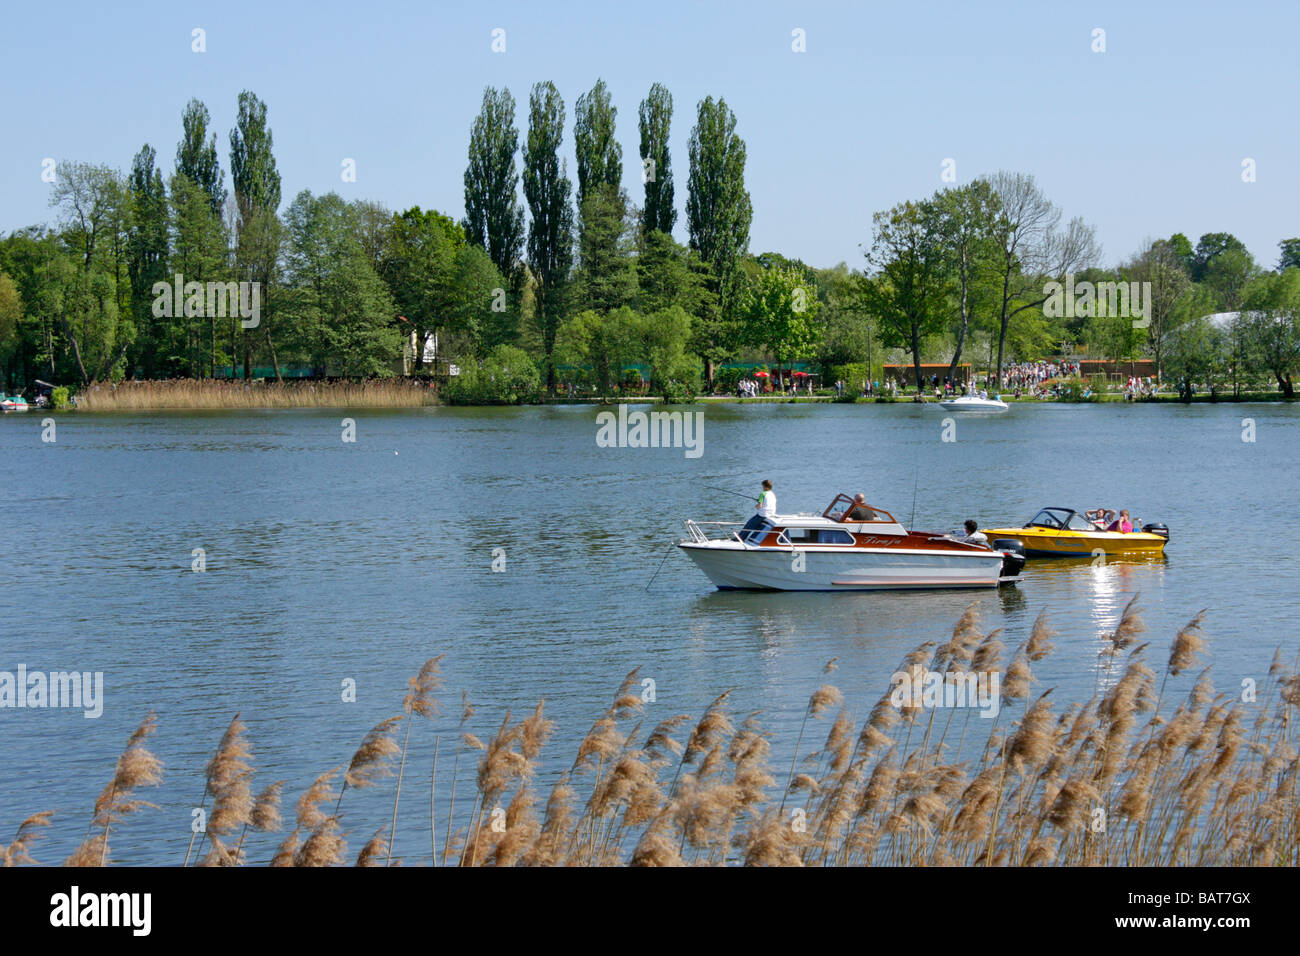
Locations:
329 561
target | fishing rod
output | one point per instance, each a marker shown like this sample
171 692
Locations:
660 568
916 477
730 492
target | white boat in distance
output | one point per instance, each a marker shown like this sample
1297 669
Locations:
835 552
973 403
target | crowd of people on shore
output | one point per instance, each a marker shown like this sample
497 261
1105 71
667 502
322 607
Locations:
754 387
1139 387
1027 374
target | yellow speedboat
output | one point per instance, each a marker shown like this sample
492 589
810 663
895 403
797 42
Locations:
1063 532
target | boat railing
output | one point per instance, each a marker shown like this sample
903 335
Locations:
699 534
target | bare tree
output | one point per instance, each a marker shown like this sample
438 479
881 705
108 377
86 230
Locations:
1033 248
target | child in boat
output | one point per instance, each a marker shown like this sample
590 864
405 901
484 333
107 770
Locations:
761 522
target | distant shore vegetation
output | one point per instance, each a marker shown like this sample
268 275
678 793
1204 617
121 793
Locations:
206 271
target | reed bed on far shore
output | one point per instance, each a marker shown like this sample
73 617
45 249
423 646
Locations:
1154 770
198 394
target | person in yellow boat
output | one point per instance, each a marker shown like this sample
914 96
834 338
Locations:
1122 524
1101 518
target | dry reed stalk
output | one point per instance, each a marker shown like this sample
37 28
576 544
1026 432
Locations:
29 831
136 767
190 394
465 740
419 701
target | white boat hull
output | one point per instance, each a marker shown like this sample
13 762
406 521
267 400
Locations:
974 405
731 565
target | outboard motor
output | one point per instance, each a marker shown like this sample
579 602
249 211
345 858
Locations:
1013 557
1156 528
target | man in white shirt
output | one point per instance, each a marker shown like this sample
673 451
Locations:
766 512
974 535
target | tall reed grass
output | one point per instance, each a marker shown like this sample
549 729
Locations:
196 394
1136 775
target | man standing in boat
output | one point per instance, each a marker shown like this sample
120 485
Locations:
766 511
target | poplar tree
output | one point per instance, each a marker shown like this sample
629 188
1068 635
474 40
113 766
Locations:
196 154
550 230
494 219
147 247
656 116
718 215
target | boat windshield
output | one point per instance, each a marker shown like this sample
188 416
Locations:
1060 519
844 509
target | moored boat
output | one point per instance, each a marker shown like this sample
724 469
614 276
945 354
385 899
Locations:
14 404
973 403
842 550
1063 532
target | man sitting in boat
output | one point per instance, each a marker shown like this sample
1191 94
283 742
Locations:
1101 518
761 523
860 511
973 534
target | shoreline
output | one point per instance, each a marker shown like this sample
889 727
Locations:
249 403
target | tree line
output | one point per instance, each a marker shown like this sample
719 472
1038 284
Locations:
573 281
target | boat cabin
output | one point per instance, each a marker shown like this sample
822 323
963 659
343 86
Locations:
842 520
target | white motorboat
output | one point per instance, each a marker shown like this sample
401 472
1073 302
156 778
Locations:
973 403
842 549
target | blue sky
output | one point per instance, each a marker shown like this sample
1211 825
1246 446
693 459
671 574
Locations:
1142 140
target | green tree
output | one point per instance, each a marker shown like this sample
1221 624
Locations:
196 155
340 311
607 276
147 247
494 219
1228 273
600 157
550 230
1290 257
419 265
95 210
1181 247
967 215
669 273
258 231
718 216
778 314
11 315
1271 323
506 376
1209 247
1160 264
665 340
910 287
607 343
655 120
199 253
